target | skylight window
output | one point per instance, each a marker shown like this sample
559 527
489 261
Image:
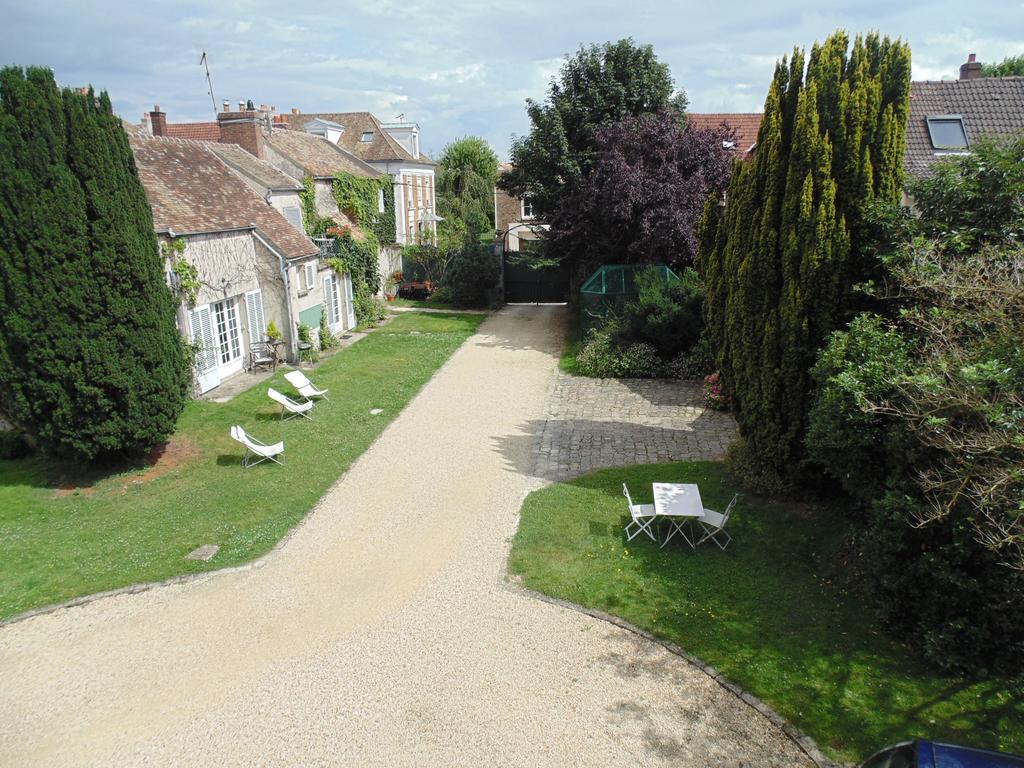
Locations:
367 136
729 144
947 132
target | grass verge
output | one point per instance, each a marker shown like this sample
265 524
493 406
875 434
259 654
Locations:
420 304
65 534
764 612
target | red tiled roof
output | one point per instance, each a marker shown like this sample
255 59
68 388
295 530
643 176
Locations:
745 126
191 190
195 131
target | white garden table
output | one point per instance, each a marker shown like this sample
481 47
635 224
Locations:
680 505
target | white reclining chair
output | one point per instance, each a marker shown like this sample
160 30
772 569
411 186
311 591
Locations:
304 386
713 524
642 517
254 448
289 406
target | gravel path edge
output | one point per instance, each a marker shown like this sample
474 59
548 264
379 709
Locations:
806 744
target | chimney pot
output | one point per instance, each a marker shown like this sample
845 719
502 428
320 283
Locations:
226 105
970 69
241 106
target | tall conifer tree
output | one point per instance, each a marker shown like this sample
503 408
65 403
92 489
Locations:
781 260
91 362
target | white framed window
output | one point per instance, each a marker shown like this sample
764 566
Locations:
527 208
310 276
380 201
254 314
367 137
294 216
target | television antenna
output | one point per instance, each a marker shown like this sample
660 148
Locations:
209 81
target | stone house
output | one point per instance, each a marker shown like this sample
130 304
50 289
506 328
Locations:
391 148
244 251
514 219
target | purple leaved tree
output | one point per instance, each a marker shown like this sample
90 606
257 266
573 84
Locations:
651 177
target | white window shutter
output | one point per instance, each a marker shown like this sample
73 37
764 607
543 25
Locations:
310 277
254 312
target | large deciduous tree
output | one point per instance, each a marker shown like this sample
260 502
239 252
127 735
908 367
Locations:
91 362
466 173
780 262
645 194
595 89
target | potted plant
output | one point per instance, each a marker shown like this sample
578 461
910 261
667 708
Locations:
391 287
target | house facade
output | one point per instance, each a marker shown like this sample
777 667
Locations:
390 148
249 260
515 222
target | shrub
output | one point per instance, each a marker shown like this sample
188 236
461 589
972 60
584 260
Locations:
715 394
854 368
91 361
273 333
370 309
440 295
474 277
697 363
601 357
327 339
664 314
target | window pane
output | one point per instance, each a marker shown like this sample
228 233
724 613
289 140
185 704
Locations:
947 134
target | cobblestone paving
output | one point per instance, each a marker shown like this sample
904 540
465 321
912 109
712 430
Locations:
597 423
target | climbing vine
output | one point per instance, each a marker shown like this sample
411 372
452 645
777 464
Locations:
186 273
314 223
359 199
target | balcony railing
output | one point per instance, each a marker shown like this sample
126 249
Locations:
328 247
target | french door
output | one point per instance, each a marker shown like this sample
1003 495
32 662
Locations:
228 338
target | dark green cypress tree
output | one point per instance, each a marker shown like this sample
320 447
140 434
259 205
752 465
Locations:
781 261
91 363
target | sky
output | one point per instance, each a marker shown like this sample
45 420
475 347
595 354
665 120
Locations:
460 67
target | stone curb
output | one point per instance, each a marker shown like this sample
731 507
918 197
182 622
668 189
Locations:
798 737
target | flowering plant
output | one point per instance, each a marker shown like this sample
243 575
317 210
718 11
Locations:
715 394
339 231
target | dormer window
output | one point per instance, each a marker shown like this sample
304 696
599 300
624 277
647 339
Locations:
367 137
947 132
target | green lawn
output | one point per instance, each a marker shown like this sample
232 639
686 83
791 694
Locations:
120 528
420 303
573 342
764 612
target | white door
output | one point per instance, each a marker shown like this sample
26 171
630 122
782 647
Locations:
350 306
229 341
331 302
201 325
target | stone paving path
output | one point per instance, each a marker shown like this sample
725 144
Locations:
598 423
384 631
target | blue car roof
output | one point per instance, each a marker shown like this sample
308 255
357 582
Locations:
954 756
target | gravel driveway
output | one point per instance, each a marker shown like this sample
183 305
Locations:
383 632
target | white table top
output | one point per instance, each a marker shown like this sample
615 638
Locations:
677 500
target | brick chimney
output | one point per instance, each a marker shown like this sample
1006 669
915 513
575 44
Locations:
158 121
243 128
970 69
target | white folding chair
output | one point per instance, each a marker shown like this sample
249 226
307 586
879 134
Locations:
642 518
305 387
289 406
254 448
713 524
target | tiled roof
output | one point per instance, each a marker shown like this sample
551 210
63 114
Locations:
196 131
989 106
249 165
191 190
317 156
744 124
383 147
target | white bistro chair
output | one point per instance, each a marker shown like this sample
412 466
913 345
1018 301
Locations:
289 406
305 387
254 448
642 518
713 524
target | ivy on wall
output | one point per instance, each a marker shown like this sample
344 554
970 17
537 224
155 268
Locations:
186 274
358 198
314 223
